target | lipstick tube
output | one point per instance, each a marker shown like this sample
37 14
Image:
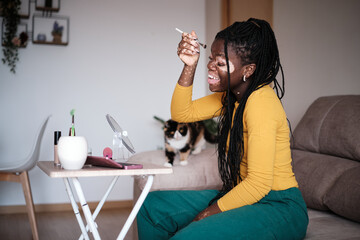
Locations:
57 135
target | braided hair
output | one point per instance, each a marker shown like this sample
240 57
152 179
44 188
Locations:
254 42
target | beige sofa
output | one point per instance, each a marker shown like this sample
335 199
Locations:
328 170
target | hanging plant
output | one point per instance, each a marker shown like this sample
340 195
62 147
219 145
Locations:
11 43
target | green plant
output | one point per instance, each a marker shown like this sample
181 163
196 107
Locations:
11 19
159 119
212 126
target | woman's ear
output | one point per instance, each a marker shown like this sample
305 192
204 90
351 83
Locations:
250 69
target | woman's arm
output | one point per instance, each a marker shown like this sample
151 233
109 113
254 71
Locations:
188 51
211 210
183 108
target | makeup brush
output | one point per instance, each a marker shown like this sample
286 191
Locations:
197 40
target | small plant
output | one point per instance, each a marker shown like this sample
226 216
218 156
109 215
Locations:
11 43
57 29
57 32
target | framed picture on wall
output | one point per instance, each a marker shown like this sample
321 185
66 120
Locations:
47 5
25 9
50 30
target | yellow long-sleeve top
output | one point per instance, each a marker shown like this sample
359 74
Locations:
266 164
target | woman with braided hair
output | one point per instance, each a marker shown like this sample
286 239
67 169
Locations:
260 198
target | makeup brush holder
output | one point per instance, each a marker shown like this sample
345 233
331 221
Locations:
72 151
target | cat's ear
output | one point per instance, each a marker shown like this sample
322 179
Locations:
167 124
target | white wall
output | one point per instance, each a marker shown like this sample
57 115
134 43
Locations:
121 60
213 26
319 43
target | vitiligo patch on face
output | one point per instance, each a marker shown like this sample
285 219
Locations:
231 67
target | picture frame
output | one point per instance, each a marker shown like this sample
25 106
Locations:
25 9
47 5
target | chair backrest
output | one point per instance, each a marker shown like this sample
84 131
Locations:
31 161
36 149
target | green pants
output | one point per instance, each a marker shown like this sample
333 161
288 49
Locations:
169 214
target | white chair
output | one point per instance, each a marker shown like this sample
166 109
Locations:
17 171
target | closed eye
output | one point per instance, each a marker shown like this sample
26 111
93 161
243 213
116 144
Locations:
220 64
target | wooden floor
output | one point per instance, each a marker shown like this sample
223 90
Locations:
63 225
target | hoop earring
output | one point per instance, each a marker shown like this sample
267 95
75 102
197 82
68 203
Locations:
244 79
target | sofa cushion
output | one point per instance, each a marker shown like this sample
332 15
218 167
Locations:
343 197
326 225
200 173
328 127
317 173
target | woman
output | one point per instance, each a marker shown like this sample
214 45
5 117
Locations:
260 198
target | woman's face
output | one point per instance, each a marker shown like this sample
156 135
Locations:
217 69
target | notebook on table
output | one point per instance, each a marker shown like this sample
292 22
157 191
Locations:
108 162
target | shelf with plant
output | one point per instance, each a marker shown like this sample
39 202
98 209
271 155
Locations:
59 34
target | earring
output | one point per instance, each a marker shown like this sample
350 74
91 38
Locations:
244 79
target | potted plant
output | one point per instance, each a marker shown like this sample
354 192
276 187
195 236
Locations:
11 43
57 32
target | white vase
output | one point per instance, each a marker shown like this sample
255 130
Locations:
72 151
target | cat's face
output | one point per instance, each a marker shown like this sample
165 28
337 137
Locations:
175 130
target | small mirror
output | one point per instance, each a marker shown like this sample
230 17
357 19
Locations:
117 129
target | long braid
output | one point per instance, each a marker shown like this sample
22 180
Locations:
254 41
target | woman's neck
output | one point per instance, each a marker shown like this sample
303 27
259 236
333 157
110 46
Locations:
240 90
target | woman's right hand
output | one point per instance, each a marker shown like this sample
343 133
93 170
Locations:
188 49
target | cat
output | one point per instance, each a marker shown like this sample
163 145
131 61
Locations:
185 138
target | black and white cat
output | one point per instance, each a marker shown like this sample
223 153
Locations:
184 138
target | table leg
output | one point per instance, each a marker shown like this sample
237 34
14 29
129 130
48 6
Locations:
136 208
85 208
101 203
75 208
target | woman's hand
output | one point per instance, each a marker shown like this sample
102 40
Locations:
188 49
211 210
